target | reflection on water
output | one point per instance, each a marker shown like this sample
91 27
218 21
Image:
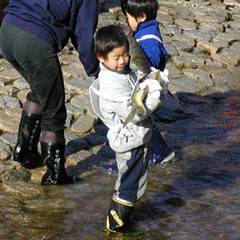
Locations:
195 198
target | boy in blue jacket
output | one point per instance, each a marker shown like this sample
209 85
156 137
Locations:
31 35
141 18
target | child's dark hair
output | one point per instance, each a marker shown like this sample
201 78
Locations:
137 8
109 37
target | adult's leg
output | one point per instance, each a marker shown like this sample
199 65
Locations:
38 62
26 149
45 78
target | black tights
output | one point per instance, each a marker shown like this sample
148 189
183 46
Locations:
46 136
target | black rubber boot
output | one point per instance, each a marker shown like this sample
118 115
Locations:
25 151
53 155
118 216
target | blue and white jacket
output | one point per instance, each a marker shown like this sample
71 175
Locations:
148 36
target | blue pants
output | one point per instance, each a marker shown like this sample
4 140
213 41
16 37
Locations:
158 148
132 174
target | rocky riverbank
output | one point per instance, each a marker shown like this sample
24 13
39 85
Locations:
203 40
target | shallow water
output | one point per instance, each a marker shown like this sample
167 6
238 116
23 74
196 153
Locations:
197 197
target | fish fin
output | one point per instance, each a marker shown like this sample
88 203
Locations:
130 117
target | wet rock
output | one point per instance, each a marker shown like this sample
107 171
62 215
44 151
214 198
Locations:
83 101
22 190
83 125
13 175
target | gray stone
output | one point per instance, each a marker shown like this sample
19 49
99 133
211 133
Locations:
83 101
80 87
227 56
22 94
235 24
174 72
185 84
227 37
13 175
9 90
171 30
21 84
9 138
76 111
187 60
172 50
69 120
183 42
233 3
8 101
8 122
209 47
197 35
185 25
5 151
223 77
200 75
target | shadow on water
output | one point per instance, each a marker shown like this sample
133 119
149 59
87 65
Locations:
198 196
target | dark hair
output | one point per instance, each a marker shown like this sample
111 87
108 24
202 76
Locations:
109 37
137 8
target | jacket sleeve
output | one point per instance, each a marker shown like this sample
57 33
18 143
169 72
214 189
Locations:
155 53
83 37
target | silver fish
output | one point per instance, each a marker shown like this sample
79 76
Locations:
137 103
138 60
140 63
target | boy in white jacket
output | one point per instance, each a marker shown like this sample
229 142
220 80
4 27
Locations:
110 97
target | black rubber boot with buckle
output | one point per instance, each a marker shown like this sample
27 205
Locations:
118 215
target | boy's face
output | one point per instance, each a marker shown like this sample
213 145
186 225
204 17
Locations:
116 60
133 22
